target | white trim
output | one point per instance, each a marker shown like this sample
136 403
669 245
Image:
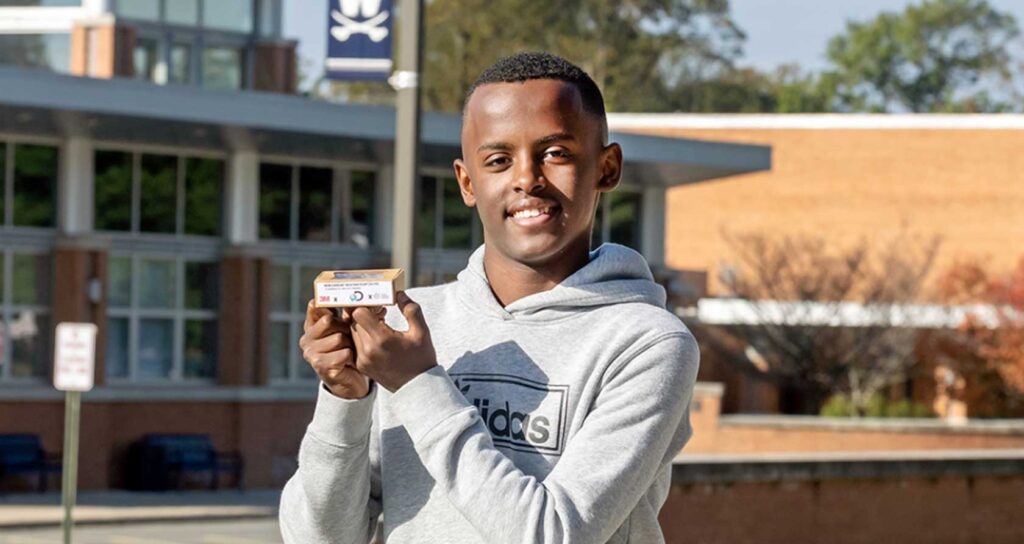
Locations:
354 64
40 19
815 121
732 311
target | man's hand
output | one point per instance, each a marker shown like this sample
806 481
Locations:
327 346
390 357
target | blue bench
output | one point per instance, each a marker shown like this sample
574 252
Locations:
162 460
24 454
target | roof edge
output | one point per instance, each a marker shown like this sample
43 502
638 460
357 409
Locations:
817 121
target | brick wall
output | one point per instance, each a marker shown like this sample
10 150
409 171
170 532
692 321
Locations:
952 509
963 185
717 434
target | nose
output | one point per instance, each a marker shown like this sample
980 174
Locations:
529 177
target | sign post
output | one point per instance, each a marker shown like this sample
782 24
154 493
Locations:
359 48
74 363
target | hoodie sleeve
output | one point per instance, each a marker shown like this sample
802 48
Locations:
334 496
638 423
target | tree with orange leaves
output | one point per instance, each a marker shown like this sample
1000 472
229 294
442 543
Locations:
995 337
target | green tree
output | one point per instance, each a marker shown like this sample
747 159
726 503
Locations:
929 58
636 50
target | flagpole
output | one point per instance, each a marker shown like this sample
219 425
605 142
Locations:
406 81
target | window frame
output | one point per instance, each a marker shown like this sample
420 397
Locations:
178 315
182 154
341 201
7 181
9 310
439 262
603 227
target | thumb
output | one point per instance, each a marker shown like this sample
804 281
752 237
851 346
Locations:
413 314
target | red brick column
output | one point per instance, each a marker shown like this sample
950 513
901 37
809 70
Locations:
274 67
78 262
244 319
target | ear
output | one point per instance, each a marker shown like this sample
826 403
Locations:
611 168
465 184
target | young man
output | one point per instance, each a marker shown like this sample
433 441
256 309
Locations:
539 398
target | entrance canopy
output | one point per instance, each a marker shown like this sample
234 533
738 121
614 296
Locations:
44 103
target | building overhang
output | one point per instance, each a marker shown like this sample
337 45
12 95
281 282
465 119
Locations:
43 103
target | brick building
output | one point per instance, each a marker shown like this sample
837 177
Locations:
846 177
181 199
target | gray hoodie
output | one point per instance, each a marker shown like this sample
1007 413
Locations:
554 419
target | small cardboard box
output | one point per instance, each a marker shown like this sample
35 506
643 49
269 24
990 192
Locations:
351 288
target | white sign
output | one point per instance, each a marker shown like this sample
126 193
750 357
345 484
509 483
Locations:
74 356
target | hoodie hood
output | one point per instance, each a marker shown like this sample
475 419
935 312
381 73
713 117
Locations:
615 274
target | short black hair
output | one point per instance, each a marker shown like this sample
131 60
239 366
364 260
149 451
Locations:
526 66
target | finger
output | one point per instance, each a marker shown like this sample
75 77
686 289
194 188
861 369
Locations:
317 330
413 314
314 313
333 361
331 342
366 319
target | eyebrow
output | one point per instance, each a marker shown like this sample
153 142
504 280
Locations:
504 146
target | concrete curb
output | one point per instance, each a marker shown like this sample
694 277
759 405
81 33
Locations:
51 524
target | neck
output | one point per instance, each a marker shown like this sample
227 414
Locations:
511 280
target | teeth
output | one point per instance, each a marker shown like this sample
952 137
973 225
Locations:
529 213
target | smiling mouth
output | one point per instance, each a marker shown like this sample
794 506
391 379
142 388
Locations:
534 216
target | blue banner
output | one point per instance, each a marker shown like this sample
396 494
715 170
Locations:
359 39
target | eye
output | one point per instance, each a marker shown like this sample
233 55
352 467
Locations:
496 161
558 153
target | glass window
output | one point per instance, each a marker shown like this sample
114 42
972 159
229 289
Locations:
426 223
35 185
182 12
112 191
624 218
279 350
269 17
305 293
146 10
39 3
30 338
280 288
47 51
30 279
200 348
119 282
116 359
222 67
457 217
156 283
181 64
204 182
159 186
275 201
363 203
201 285
156 348
232 15
3 175
315 204
144 59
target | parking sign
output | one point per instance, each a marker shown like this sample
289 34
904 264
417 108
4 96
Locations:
74 356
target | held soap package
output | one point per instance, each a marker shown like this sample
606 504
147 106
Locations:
351 288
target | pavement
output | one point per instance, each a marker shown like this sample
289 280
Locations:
28 510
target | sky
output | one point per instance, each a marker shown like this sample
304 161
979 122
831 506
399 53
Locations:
778 31
785 31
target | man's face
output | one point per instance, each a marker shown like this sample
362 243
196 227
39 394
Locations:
533 165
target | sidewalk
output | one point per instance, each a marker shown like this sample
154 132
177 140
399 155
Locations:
23 510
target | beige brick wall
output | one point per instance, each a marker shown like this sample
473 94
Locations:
966 186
